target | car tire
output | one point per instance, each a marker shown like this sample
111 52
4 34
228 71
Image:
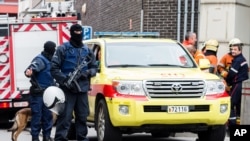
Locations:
215 133
104 128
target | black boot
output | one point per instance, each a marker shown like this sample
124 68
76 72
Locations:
47 139
35 139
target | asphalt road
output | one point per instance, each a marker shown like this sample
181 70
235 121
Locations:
25 136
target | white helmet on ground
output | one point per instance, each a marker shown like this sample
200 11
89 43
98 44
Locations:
54 99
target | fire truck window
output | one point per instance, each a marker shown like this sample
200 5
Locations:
3 32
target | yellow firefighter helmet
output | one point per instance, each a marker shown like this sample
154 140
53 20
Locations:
212 45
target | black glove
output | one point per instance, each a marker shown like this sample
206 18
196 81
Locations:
73 86
69 86
85 75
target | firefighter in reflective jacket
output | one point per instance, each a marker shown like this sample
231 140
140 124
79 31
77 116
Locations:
238 72
224 64
211 54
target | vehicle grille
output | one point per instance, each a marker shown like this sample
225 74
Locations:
174 88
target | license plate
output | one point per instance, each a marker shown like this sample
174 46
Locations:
21 104
178 109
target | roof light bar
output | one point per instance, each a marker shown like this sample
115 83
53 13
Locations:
126 34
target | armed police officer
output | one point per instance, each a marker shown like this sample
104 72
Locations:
73 64
39 73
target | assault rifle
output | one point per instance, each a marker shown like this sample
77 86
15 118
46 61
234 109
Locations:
72 83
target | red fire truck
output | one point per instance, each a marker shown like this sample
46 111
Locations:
20 42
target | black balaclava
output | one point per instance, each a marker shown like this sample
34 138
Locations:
76 39
49 49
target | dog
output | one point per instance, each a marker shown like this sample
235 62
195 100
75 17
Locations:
21 120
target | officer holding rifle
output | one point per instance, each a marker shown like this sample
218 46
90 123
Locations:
73 64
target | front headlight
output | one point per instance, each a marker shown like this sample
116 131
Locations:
129 87
215 87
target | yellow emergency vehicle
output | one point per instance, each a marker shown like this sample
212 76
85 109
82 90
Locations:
153 85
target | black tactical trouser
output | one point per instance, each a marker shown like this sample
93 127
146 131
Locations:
235 93
77 102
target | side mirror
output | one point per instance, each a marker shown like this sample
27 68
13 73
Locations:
204 64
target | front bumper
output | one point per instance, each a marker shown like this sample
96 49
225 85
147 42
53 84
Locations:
206 112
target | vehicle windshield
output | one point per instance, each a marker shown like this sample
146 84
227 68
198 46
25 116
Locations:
147 54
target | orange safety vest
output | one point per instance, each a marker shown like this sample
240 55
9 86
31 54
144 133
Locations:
213 62
224 65
198 55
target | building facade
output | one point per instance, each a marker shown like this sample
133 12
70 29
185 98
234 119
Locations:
210 19
172 18
224 20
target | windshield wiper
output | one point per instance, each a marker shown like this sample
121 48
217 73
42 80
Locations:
126 65
171 65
